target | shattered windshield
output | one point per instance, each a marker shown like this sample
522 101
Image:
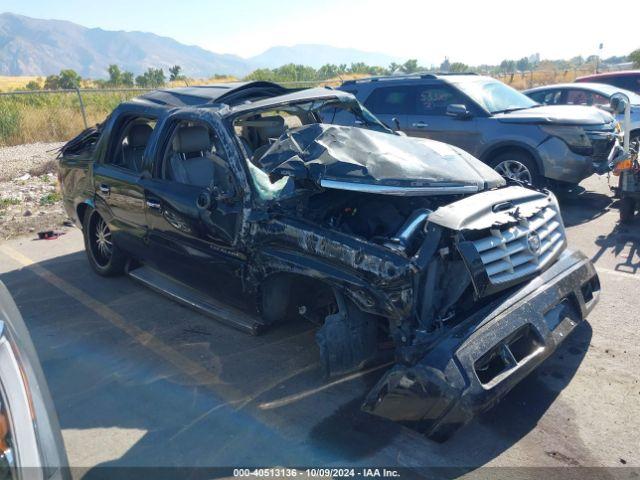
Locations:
258 130
494 96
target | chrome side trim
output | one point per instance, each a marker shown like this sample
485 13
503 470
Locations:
400 191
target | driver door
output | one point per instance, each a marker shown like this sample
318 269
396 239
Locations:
193 205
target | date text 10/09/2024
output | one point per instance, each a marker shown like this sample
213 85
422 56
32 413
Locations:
317 472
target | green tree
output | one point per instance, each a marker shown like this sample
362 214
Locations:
328 70
174 73
115 75
458 67
69 79
52 82
635 58
152 78
393 66
410 66
126 79
33 85
523 64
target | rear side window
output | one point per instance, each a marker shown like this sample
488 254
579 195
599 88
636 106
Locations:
129 139
585 97
547 97
391 100
628 82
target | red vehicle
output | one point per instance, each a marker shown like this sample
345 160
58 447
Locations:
627 79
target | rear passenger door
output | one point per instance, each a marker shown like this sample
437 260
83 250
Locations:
119 196
429 119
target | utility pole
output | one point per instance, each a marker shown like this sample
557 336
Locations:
598 57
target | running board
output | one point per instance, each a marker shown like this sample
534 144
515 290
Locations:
197 300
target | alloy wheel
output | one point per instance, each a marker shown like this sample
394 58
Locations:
103 246
514 170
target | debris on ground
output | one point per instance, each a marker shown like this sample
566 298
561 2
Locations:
30 200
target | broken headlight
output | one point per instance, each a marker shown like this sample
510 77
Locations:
575 137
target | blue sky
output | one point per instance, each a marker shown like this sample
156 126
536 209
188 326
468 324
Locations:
471 31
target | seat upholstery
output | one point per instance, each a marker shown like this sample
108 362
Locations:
191 162
274 127
137 140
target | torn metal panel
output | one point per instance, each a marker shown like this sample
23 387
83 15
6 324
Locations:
351 158
487 209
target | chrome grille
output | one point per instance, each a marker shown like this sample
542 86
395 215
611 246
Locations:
518 250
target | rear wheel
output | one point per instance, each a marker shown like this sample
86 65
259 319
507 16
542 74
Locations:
516 166
104 256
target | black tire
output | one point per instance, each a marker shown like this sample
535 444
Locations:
104 256
521 166
627 209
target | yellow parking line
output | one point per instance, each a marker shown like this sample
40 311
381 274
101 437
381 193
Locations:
146 339
192 369
307 393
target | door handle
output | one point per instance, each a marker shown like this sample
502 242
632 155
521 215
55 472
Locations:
104 188
419 125
358 122
154 204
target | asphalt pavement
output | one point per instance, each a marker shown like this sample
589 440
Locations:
139 380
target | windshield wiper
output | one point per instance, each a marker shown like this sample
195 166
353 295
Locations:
514 109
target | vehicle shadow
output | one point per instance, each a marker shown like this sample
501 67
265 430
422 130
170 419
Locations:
159 385
624 243
584 207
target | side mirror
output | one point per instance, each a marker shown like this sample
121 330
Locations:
458 111
618 103
396 123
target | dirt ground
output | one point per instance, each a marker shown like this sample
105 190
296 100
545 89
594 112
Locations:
139 380
30 200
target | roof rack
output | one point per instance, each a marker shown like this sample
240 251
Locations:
405 76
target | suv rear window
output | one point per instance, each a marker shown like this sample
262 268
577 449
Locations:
628 82
393 100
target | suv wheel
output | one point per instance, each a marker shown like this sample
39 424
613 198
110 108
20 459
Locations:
104 256
516 166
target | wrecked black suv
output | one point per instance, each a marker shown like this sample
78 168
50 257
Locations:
395 247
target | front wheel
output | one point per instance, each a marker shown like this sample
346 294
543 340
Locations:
516 166
104 256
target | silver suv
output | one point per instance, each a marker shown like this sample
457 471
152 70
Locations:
556 146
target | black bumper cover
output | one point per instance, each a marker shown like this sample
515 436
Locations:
476 363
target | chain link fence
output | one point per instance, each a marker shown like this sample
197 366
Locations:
58 115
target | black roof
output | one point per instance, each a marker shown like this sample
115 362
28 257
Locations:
238 96
408 76
227 93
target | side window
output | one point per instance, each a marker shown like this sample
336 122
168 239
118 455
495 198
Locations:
578 97
628 82
129 140
194 156
390 100
434 99
547 97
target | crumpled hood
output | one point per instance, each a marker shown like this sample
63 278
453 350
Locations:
352 158
557 114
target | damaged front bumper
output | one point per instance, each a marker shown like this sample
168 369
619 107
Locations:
475 364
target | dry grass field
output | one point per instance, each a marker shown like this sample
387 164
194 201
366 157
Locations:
8 84
50 117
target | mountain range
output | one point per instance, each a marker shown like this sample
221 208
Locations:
31 46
